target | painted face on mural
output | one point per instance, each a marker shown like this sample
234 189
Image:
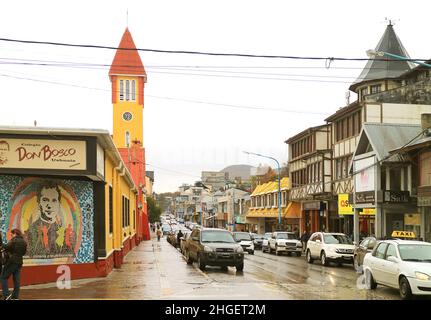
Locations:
49 204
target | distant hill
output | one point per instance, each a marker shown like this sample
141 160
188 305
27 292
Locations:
238 170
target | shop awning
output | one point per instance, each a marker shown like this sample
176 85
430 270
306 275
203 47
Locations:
293 210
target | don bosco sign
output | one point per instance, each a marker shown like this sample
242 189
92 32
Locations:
42 154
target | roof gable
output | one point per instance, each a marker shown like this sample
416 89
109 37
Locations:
380 138
127 60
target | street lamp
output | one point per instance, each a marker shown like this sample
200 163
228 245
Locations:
374 53
279 187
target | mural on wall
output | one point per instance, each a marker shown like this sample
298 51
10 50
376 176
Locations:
56 217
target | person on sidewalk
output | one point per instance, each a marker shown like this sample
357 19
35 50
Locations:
16 248
304 238
159 234
179 236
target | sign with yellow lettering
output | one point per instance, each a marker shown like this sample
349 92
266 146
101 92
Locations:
344 206
403 234
43 154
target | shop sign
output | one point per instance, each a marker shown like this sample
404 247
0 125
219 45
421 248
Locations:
364 170
365 197
424 201
368 212
396 196
403 234
311 205
43 154
344 205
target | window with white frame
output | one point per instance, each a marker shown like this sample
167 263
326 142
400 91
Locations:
133 98
127 138
127 90
121 90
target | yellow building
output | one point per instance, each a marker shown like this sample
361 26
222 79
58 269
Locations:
263 215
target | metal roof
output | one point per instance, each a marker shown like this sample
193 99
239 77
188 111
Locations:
378 68
384 137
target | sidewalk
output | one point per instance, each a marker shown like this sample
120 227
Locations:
153 270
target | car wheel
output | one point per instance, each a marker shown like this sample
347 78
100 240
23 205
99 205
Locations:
252 252
323 259
289 253
371 283
201 264
299 253
188 258
356 264
405 290
240 267
308 256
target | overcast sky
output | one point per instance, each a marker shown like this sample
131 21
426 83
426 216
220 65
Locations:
201 112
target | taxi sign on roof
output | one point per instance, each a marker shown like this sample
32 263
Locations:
403 234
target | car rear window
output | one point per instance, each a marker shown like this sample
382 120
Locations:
217 236
337 239
242 236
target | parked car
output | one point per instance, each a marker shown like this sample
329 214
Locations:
214 247
265 241
245 241
257 240
401 264
183 240
329 247
283 241
367 245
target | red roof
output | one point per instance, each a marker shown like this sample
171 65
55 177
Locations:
127 61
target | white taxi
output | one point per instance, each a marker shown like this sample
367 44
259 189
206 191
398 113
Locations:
400 264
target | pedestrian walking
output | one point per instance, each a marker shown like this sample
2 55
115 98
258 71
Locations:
159 234
16 248
304 238
179 236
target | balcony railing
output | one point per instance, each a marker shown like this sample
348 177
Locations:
417 93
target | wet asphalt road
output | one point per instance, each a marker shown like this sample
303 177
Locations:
156 270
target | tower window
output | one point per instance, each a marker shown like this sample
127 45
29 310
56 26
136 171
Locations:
127 90
127 138
376 88
121 90
133 90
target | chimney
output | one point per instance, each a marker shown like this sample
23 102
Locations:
426 123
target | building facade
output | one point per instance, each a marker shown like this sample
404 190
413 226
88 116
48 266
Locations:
73 197
310 171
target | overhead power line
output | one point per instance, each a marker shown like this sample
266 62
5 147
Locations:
170 98
221 54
